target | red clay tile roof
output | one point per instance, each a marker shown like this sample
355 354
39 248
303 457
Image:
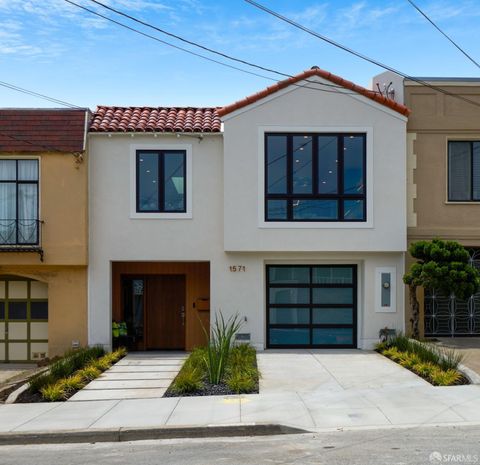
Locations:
42 129
305 75
148 119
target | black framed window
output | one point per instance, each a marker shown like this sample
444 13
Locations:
464 171
19 202
161 181
311 305
315 177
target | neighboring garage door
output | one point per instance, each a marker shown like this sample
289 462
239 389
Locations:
311 306
23 320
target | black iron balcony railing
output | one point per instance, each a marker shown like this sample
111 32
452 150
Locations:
21 236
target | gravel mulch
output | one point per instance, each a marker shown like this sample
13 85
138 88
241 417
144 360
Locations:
209 390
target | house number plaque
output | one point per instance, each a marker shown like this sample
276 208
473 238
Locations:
237 268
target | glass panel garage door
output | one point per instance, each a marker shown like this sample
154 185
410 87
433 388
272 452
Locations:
311 306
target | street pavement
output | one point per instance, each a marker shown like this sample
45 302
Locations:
407 446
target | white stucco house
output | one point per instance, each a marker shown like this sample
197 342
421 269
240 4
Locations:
287 208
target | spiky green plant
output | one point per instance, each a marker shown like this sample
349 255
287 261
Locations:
53 392
72 383
441 377
188 380
219 346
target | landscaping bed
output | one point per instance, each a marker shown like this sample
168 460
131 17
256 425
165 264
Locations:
438 366
240 374
69 374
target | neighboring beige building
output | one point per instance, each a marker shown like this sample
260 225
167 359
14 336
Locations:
43 232
443 187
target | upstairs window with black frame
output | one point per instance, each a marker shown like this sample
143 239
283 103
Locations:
315 177
161 181
19 202
464 171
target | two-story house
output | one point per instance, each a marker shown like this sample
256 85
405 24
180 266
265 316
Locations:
286 208
43 232
443 184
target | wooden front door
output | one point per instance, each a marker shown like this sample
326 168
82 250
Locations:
165 312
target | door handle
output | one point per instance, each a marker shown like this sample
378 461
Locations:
182 314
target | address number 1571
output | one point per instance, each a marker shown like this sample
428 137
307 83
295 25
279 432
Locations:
237 268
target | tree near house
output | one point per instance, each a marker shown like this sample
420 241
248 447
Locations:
443 266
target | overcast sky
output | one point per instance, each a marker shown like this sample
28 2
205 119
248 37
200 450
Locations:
56 49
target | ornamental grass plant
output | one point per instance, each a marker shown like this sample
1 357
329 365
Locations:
437 365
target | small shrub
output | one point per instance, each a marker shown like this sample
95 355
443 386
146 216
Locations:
63 367
409 360
450 359
101 364
242 355
441 377
39 381
117 354
53 392
188 380
392 353
72 383
381 346
197 359
240 382
89 373
424 369
401 342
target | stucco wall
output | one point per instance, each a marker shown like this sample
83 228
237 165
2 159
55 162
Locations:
63 208
436 119
115 236
67 302
244 293
301 109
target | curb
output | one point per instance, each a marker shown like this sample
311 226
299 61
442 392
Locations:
471 375
141 434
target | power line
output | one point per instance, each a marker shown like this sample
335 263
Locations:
341 89
34 144
203 47
358 54
443 33
36 94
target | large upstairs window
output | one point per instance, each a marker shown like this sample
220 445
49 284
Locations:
19 223
161 181
464 171
315 177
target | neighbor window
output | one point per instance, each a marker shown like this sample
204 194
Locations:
315 177
464 171
161 178
18 202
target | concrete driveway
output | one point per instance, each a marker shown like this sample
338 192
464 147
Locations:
11 371
330 370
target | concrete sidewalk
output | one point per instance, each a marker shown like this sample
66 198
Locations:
140 375
312 390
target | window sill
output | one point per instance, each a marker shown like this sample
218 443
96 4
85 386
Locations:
161 216
450 202
315 225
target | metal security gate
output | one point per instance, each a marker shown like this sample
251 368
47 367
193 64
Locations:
311 306
449 316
